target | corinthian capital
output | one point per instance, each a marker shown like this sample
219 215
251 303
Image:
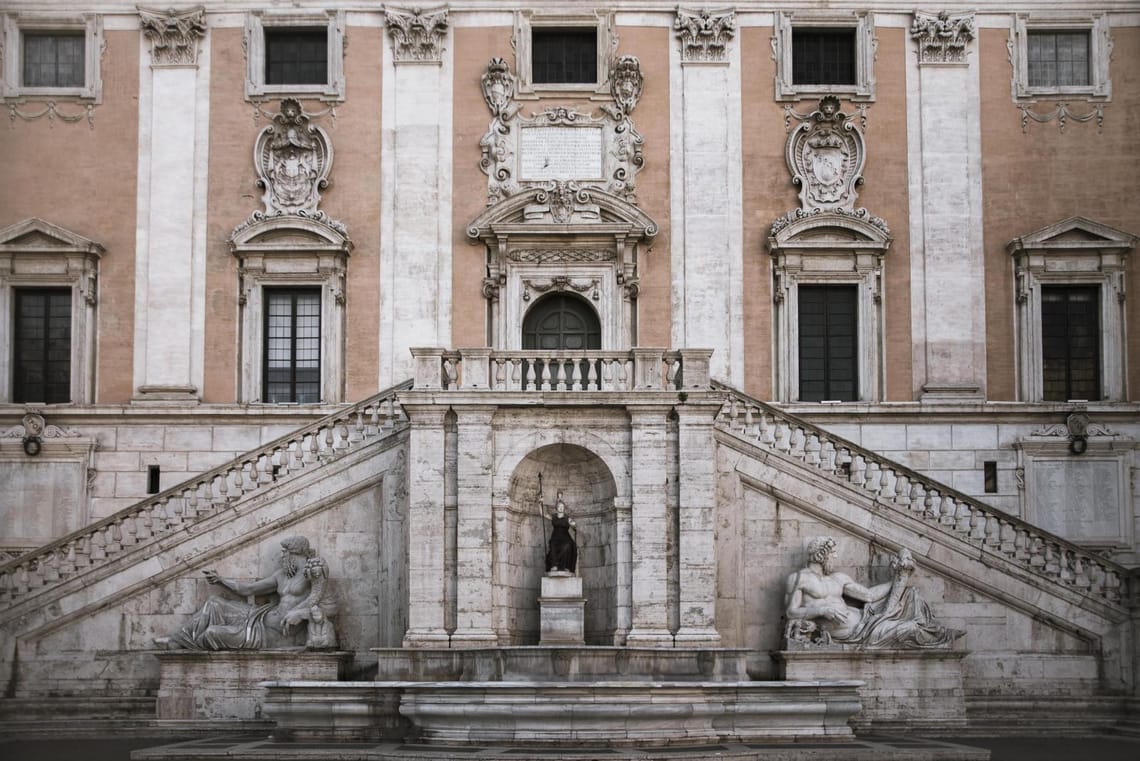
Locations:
174 35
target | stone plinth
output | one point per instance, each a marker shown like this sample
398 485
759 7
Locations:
562 610
911 689
195 684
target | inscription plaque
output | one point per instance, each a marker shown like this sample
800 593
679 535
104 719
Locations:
1078 500
560 153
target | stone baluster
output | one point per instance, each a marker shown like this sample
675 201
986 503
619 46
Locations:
931 504
1021 545
947 512
23 583
767 431
98 547
115 538
82 552
902 491
449 374
917 497
843 462
592 375
1036 552
796 443
1080 573
129 532
1067 560
67 563
356 433
872 477
49 565
811 451
1052 564
993 531
781 443
249 483
544 376
858 474
327 448
576 373
606 380
35 574
626 374
342 442
827 456
746 430
1096 579
962 518
144 523
1112 586
312 450
978 525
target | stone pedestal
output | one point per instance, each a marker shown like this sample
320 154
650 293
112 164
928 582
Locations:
911 689
562 610
195 684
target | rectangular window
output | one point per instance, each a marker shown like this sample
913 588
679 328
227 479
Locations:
1058 59
564 55
296 56
823 56
42 346
829 365
53 59
292 369
1070 342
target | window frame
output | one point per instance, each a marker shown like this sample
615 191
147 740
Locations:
290 252
1055 255
38 254
19 361
526 21
1099 88
15 25
863 24
257 22
1070 363
853 288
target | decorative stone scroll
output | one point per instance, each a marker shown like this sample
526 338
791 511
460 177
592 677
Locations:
173 35
825 155
561 149
704 35
942 38
417 36
33 426
293 159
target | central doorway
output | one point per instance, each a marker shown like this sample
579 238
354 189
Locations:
561 321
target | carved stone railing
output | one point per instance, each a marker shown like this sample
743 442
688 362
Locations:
640 369
201 497
937 505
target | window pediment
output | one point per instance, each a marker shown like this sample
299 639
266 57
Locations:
1071 235
34 235
288 233
562 211
829 231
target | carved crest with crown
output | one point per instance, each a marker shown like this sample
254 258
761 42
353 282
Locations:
825 155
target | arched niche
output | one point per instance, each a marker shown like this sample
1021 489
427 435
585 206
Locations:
589 490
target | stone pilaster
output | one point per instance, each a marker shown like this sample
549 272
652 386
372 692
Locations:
415 168
705 140
697 545
426 526
649 541
170 242
474 535
948 312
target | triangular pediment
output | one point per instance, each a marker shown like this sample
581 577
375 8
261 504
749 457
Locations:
1074 233
580 212
34 235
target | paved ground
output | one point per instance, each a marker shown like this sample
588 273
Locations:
1109 748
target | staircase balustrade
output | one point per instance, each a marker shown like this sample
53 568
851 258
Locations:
202 496
942 508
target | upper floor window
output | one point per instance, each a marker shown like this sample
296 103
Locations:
563 52
53 59
48 279
1070 342
824 53
41 351
292 350
295 54
829 343
564 56
1070 311
1055 56
52 56
823 56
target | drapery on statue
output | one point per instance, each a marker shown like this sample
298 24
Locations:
304 601
893 615
561 550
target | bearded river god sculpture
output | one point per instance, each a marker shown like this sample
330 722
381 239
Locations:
892 614
304 605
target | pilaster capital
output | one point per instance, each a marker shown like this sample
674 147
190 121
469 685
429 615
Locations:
942 38
704 34
173 35
417 35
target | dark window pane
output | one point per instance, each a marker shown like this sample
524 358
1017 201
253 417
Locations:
42 347
823 56
561 321
292 362
53 59
1058 59
564 56
828 350
1070 342
296 56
